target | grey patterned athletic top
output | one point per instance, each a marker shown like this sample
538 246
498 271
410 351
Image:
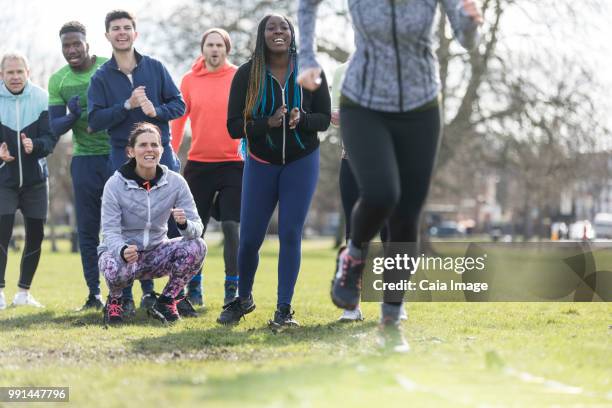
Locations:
394 68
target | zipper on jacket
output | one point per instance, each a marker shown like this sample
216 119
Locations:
145 237
19 143
397 57
283 99
365 71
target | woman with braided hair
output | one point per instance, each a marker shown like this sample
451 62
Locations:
278 122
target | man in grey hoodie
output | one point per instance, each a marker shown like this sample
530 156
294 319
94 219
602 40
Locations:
390 128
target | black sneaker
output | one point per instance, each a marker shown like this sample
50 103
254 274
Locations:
283 317
129 308
164 310
113 311
391 338
235 310
231 291
346 284
92 302
185 308
148 300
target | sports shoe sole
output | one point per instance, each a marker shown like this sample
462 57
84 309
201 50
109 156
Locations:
340 303
158 316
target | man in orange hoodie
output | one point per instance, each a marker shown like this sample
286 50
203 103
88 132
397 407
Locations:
214 165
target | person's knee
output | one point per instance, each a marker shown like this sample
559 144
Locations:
109 267
382 199
202 250
230 226
230 230
290 234
196 250
248 245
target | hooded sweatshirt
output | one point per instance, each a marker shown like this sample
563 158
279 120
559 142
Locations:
135 215
278 145
25 113
206 94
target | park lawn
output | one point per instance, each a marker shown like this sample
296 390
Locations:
489 354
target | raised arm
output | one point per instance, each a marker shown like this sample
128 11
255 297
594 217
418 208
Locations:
465 20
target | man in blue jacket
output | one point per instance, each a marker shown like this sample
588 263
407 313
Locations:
25 141
127 89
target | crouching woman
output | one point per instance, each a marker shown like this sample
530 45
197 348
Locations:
137 202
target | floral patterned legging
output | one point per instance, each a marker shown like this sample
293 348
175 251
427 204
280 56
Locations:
179 258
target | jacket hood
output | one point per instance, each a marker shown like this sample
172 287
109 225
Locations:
5 93
199 68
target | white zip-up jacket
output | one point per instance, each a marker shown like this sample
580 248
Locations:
25 113
131 215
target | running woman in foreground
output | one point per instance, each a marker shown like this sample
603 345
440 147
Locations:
279 121
389 111
137 202
349 190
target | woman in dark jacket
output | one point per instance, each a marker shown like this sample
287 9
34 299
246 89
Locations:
278 122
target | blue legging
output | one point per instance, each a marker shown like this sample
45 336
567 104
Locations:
263 185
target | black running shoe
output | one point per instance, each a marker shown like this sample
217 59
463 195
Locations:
113 311
148 300
164 310
235 310
92 302
185 308
129 308
346 284
283 317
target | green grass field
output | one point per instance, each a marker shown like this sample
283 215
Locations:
474 355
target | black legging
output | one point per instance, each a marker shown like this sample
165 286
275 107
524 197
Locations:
349 193
392 156
34 233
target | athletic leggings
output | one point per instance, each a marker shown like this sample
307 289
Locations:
34 233
263 186
349 193
179 258
392 156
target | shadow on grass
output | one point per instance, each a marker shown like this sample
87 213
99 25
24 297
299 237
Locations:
73 319
216 341
47 317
